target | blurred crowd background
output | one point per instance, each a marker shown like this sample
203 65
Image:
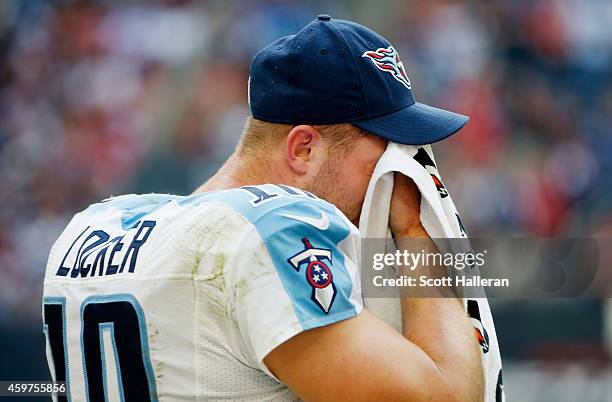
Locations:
99 98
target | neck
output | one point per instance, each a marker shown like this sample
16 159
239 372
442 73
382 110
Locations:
235 172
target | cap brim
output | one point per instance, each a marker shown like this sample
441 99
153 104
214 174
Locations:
417 124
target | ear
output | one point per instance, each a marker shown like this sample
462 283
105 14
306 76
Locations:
304 149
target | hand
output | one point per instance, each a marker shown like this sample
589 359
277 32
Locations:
405 220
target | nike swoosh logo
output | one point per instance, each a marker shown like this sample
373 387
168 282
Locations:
321 223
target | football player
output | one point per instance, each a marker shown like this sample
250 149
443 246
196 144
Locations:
249 289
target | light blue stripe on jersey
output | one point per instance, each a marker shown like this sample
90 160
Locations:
134 206
282 237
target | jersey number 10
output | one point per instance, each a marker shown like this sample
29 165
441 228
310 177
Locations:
123 319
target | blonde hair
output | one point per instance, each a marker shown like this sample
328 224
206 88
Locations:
260 137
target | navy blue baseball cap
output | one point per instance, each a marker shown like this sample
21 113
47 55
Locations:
335 71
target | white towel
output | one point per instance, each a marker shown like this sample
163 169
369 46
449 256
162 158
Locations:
441 221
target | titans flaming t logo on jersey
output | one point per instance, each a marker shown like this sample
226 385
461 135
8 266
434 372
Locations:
318 274
388 60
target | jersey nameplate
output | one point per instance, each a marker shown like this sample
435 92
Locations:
95 252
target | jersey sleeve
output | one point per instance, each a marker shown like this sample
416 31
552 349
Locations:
295 269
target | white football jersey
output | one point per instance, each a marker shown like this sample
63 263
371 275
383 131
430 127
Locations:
163 297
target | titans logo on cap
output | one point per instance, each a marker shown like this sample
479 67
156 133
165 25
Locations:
388 60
